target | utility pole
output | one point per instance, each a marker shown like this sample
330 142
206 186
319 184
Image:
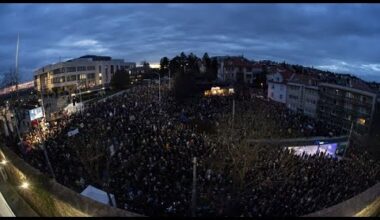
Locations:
233 112
16 82
349 139
47 160
108 181
193 195
159 88
46 154
169 80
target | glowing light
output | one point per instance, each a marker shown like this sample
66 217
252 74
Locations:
25 185
361 121
4 162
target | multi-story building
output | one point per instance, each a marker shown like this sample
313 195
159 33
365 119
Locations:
347 104
83 72
277 85
302 94
237 69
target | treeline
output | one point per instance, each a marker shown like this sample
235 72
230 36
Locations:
204 68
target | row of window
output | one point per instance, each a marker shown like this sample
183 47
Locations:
89 76
311 101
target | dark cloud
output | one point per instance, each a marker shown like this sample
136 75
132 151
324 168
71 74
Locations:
338 37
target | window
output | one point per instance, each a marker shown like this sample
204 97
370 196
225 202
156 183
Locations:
100 68
82 76
56 71
280 96
81 68
71 69
249 69
90 67
272 86
63 70
271 94
91 76
71 78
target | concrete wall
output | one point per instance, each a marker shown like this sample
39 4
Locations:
49 198
365 204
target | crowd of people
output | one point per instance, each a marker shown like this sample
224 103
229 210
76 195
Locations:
141 150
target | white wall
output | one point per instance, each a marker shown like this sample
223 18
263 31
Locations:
277 92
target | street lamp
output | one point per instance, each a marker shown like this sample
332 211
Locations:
360 121
159 88
169 79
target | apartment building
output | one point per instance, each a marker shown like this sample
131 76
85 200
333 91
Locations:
302 94
237 69
342 105
83 72
277 85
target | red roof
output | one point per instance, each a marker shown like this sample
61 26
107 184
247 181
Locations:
238 62
286 75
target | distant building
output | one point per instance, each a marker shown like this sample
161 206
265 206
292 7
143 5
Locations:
302 94
143 72
235 69
86 72
21 86
341 105
277 85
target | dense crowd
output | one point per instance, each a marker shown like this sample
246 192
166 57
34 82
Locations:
142 151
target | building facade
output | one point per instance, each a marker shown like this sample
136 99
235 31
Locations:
277 88
343 106
303 95
237 69
84 72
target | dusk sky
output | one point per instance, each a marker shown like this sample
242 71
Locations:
343 38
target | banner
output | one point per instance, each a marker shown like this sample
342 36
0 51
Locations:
73 132
36 113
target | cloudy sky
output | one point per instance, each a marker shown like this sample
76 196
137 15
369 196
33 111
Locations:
339 37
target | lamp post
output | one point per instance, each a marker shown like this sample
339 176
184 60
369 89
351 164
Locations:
80 96
159 88
46 154
193 194
358 121
169 79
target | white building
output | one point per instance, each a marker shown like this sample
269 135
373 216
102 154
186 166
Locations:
277 85
302 95
234 69
86 72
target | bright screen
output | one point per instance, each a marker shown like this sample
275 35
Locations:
36 113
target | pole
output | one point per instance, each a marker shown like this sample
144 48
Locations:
108 182
349 139
193 195
233 111
47 157
159 88
169 80
48 161
16 81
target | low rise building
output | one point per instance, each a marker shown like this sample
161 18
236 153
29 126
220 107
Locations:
237 69
277 88
83 72
302 94
351 103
